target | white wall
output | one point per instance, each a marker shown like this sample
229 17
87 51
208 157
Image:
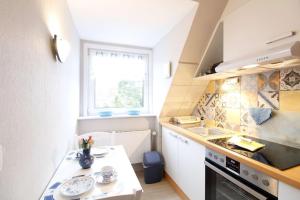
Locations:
169 49
39 97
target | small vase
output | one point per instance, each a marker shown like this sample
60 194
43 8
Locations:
85 159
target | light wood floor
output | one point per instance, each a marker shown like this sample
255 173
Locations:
157 191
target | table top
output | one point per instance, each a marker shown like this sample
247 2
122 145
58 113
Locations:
126 183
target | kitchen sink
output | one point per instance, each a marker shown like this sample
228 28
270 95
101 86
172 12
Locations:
206 131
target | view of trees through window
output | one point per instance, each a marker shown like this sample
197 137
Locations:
119 79
129 95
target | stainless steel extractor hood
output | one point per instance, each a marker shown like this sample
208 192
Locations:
288 54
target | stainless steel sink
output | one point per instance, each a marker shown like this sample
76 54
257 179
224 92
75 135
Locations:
199 130
206 131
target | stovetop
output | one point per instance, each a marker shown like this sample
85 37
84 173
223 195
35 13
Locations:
276 155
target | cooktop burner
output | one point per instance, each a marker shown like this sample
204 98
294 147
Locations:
276 155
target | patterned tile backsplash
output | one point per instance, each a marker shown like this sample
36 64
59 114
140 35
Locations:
226 102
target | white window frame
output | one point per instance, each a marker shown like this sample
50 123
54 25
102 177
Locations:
88 98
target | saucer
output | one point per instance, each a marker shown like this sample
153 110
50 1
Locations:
100 179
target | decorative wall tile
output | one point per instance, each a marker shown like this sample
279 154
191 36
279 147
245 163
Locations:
290 101
196 111
230 85
268 99
290 79
218 85
249 83
228 106
248 99
268 81
210 123
206 106
211 87
246 119
220 124
248 129
232 126
210 100
230 100
220 114
233 116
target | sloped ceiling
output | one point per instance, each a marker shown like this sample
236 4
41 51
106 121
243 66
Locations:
185 92
133 22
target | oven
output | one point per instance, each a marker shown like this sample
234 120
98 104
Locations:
227 179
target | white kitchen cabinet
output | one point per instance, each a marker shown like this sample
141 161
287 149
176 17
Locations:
184 161
287 192
170 152
248 28
191 168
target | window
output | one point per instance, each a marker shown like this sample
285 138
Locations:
118 79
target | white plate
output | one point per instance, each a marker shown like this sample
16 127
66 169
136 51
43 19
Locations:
77 186
99 151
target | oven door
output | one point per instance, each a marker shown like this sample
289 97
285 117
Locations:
221 185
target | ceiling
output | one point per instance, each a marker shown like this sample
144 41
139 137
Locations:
131 22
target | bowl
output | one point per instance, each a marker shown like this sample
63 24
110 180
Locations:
105 113
133 112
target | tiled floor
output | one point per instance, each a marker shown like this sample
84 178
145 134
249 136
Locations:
157 191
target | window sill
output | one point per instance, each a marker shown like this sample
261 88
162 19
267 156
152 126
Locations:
115 117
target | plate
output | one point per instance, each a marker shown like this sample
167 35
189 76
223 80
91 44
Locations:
77 186
99 151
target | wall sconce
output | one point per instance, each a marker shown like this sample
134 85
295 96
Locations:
62 48
167 70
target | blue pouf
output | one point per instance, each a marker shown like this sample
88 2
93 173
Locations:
153 167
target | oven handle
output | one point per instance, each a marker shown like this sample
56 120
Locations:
238 183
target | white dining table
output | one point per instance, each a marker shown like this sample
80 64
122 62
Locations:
127 182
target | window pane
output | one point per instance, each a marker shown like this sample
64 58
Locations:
118 78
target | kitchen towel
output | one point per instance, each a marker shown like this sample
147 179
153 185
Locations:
260 115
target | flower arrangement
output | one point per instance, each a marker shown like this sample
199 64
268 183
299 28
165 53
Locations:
86 143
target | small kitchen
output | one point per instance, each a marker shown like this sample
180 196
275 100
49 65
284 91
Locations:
150 100
245 127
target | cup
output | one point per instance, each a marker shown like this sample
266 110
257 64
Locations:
107 172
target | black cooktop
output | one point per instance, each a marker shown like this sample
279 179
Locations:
276 155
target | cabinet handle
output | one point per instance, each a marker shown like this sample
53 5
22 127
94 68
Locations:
173 135
184 140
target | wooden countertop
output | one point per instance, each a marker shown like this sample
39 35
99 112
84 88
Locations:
289 176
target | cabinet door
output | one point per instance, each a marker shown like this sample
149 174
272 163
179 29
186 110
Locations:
247 33
287 192
191 168
170 152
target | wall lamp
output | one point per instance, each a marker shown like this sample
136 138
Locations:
61 48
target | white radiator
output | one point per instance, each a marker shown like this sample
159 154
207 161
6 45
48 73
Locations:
134 142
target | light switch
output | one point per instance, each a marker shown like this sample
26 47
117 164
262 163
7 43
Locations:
1 157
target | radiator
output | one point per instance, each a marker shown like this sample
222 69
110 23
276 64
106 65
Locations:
134 142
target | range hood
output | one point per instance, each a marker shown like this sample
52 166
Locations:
286 55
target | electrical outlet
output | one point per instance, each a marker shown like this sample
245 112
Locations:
1 157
